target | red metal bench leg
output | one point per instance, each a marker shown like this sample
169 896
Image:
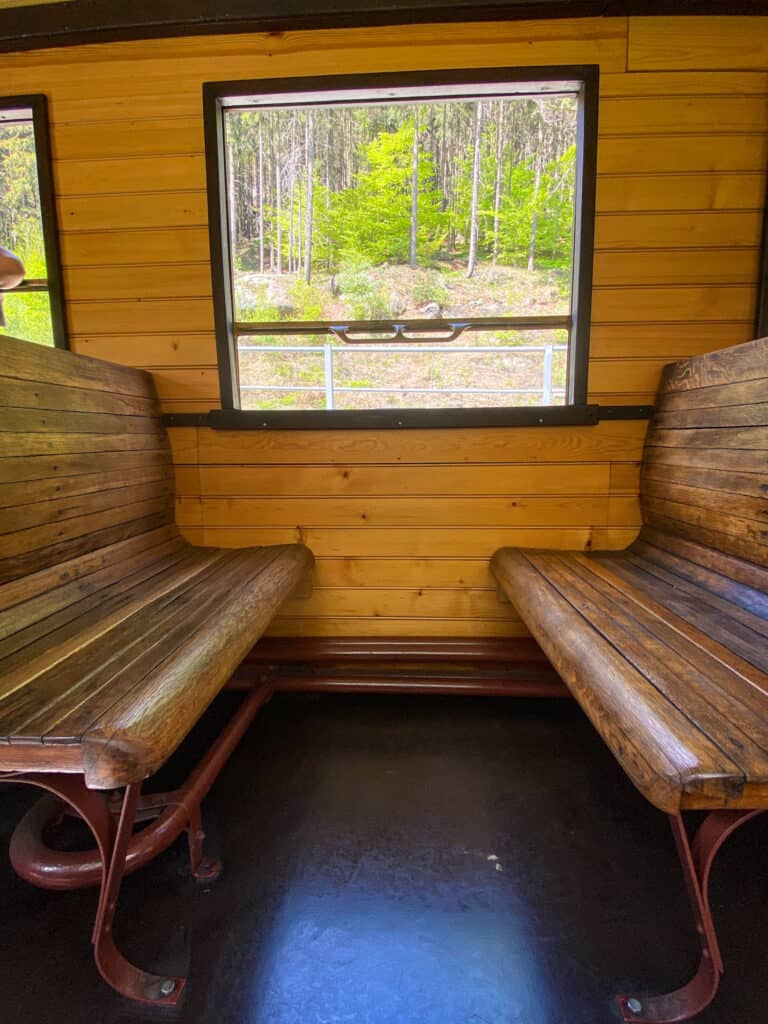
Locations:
696 860
112 843
128 980
173 813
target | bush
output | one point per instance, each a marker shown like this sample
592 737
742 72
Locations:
307 300
255 305
430 287
366 297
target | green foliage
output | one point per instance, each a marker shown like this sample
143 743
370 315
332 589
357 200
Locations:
365 297
28 315
371 220
306 299
430 287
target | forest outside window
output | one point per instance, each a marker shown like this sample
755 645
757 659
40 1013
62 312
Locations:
400 253
33 308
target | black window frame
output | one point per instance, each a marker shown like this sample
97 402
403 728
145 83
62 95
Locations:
761 316
38 104
219 96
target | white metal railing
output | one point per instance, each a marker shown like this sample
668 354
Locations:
547 390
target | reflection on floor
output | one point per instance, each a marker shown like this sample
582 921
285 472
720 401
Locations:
401 860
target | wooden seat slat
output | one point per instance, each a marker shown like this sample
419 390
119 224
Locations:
145 726
83 566
744 538
681 698
739 645
696 594
30 494
26 420
738 393
51 653
726 366
755 415
739 460
53 468
709 499
116 587
68 539
94 678
736 484
747 597
748 438
641 638
61 397
23 362
698 684
42 443
23 518
115 633
135 680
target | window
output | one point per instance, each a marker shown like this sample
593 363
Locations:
32 310
403 250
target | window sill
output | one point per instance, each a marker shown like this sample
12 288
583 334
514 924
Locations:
407 419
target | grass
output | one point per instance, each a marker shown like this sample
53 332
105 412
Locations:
399 291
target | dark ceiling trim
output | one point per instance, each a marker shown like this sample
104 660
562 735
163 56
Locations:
93 21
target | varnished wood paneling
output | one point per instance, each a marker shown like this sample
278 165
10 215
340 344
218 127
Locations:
676 266
393 480
630 193
666 341
682 160
671 154
681 115
404 511
697 42
422 542
138 248
135 174
664 230
706 82
608 441
143 211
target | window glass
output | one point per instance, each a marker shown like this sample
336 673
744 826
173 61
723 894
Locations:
26 309
403 248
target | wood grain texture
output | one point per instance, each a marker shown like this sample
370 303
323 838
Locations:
683 153
665 645
115 633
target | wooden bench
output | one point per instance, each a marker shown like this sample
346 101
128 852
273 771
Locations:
115 633
665 645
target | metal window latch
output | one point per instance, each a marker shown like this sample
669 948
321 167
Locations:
432 330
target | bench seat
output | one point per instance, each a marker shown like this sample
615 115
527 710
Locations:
666 655
115 632
115 663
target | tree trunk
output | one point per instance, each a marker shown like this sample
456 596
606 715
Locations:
497 185
309 140
261 198
415 192
536 188
473 226
279 211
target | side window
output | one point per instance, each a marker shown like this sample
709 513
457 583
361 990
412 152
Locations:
407 247
32 308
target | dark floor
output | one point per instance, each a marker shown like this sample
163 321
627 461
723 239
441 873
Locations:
402 860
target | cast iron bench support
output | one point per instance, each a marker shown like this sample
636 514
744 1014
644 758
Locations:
696 859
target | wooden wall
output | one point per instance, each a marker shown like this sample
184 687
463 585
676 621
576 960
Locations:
403 523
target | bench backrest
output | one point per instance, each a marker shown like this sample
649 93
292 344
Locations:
706 453
84 459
